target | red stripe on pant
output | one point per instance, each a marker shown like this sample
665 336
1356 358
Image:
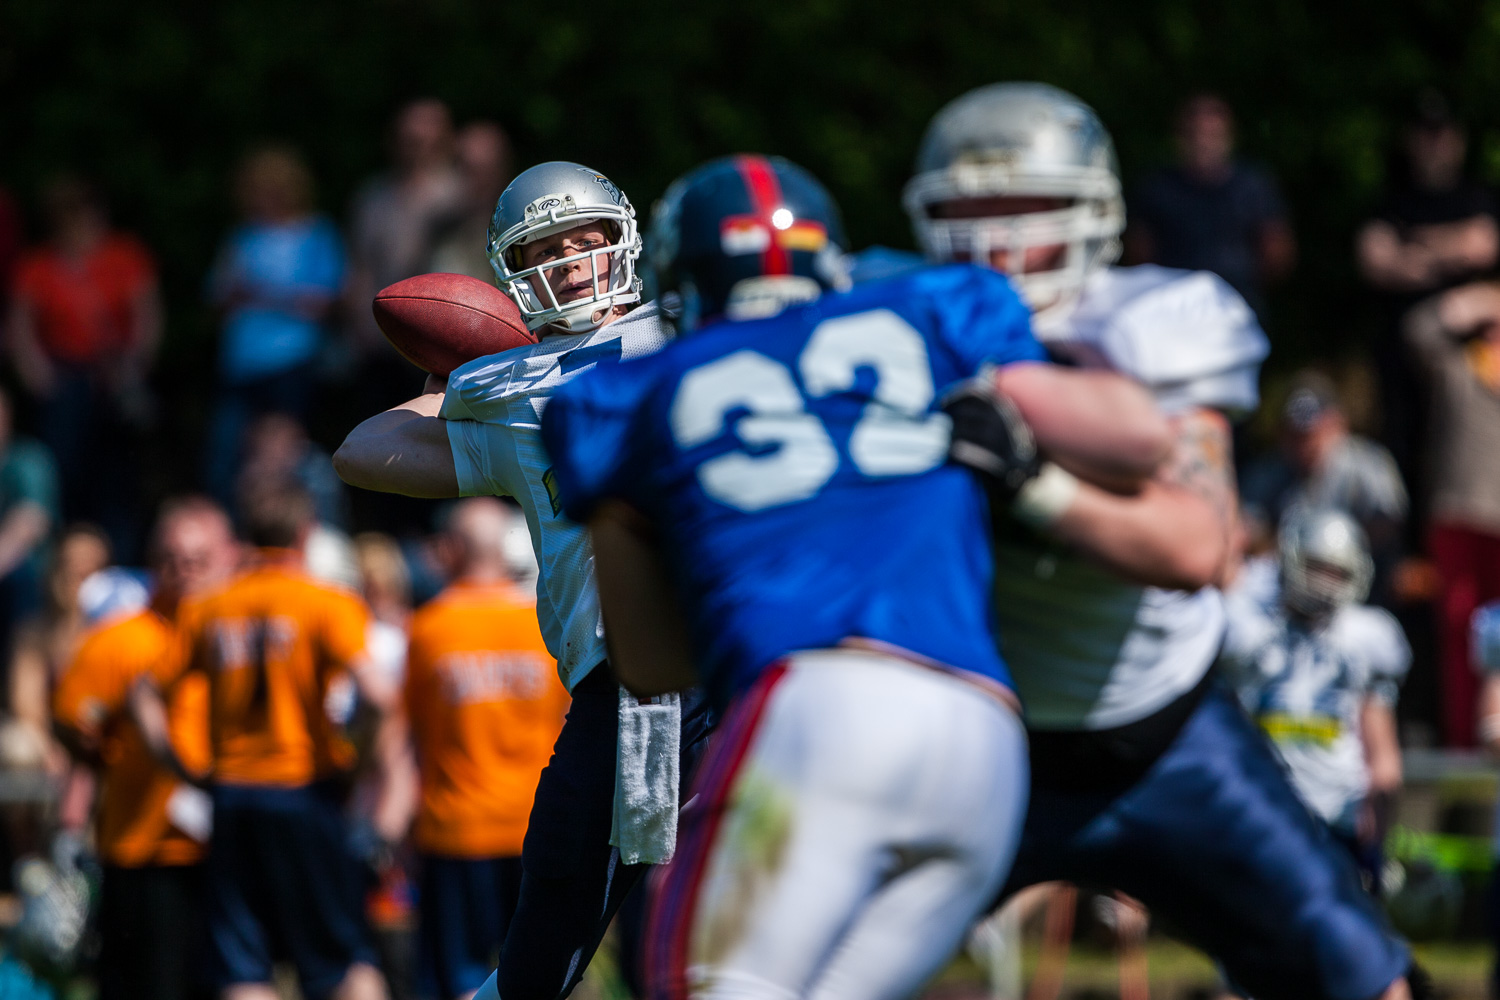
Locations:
674 888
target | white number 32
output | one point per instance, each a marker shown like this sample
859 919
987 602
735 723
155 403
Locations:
793 455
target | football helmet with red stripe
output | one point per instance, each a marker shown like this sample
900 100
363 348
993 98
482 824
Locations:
745 236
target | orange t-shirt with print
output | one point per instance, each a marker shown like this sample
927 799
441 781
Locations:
135 824
271 643
485 707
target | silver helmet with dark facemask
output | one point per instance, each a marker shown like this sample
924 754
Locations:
1020 140
1325 561
546 200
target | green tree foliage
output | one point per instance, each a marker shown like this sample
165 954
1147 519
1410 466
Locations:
157 98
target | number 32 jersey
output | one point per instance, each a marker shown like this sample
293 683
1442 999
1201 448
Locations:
795 466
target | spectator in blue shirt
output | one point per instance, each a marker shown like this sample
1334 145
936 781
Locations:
1212 212
277 280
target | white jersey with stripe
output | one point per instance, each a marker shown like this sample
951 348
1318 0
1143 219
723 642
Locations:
1306 683
1089 650
494 411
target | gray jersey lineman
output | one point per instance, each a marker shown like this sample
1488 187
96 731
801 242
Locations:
1146 777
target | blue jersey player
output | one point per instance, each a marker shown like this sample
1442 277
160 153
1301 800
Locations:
781 477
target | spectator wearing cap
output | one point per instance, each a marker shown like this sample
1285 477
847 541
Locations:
1436 230
1211 211
1456 339
84 324
1320 464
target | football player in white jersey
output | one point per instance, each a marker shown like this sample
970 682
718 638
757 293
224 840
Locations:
1320 672
1147 777
563 243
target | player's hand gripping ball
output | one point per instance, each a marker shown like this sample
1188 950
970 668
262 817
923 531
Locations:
441 321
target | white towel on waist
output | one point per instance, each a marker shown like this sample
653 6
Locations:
647 775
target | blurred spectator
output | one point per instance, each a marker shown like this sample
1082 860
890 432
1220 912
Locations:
395 218
485 707
279 452
152 828
46 644
28 512
1436 230
1456 338
84 324
10 242
1211 211
484 163
1320 672
1321 464
275 645
385 793
277 280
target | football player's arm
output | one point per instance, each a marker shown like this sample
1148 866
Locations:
1176 531
403 450
643 623
1098 425
1377 729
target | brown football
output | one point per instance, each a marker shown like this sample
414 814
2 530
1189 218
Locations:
441 321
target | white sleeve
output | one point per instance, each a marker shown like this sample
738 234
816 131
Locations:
1186 334
1380 641
471 459
472 438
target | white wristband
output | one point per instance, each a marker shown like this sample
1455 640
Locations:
1046 497
1489 728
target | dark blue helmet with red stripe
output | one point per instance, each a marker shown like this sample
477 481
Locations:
745 236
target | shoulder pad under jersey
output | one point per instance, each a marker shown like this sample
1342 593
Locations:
478 390
1186 334
1376 637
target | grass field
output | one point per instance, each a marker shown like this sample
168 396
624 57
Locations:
1177 972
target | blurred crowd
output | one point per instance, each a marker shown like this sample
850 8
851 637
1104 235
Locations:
1404 438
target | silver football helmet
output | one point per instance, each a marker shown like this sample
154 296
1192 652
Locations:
547 199
1325 561
1025 140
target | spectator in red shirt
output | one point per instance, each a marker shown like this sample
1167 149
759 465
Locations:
84 323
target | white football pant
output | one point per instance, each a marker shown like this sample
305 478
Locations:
854 816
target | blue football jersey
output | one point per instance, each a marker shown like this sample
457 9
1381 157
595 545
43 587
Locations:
795 466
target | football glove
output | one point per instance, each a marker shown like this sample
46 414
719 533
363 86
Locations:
991 438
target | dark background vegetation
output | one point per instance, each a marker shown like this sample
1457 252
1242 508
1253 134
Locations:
157 98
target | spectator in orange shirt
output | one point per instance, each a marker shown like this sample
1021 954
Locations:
85 320
151 827
485 707
276 646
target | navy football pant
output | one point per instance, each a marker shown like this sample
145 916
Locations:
572 881
1213 839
